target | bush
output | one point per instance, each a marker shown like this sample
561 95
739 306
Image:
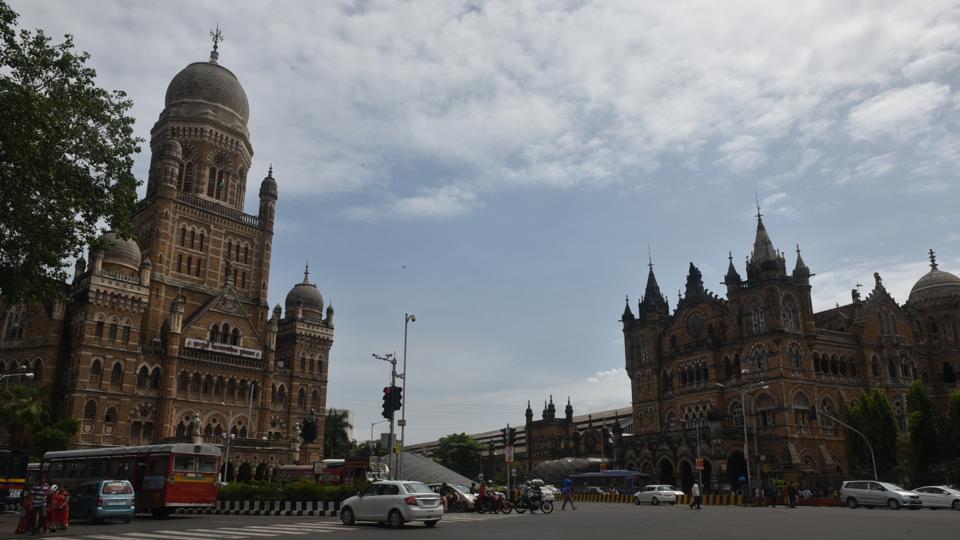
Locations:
306 490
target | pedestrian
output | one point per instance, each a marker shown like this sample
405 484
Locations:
26 510
568 495
695 496
40 492
772 492
64 509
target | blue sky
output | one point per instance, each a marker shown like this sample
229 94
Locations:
499 168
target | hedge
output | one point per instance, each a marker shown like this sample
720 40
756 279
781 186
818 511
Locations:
275 491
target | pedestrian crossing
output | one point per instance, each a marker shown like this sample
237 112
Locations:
261 531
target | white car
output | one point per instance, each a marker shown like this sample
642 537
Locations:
655 494
939 497
395 502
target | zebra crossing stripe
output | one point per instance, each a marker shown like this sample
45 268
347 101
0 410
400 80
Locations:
272 529
231 530
151 535
218 534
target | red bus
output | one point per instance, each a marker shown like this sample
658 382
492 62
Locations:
164 476
349 471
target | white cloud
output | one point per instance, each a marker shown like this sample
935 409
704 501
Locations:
441 202
901 113
606 376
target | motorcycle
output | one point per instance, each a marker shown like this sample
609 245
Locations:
494 503
533 503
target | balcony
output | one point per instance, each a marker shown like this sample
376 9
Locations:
218 208
210 357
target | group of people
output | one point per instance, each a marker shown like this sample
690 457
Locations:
790 493
44 508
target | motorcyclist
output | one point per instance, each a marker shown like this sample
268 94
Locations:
525 495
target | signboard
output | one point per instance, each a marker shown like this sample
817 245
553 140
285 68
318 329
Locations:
699 464
508 454
205 345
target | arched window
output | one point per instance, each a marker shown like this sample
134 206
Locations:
281 394
243 391
765 411
98 332
949 376
816 363
898 411
113 331
303 362
211 181
193 238
237 253
758 317
791 314
90 410
834 365
156 378
111 416
801 409
736 411
875 366
302 399
116 375
796 357
183 384
235 337
208 386
126 332
246 253
201 240
315 399
934 335
221 186
218 388
826 421
215 333
142 375
188 178
195 383
225 333
891 368
96 369
232 389
181 429
183 236
671 421
758 360
949 333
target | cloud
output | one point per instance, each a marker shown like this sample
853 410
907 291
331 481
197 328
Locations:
900 113
430 203
606 376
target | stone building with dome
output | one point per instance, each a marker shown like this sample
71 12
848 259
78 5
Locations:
169 335
760 356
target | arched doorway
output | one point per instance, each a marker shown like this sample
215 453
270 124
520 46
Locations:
736 470
707 476
666 472
229 477
261 473
244 473
646 468
686 476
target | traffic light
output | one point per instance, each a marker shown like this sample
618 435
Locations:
506 436
387 403
397 398
511 434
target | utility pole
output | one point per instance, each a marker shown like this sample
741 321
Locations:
407 319
393 383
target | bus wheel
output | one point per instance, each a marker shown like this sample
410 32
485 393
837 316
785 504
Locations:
161 513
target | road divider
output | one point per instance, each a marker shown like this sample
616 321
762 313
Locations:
269 508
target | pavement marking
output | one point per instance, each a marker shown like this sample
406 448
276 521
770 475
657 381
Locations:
218 534
232 530
154 535
272 529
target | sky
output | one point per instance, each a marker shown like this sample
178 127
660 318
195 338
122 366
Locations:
499 168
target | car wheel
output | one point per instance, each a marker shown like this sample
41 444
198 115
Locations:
654 501
432 523
851 502
127 519
395 519
346 516
636 501
956 504
893 504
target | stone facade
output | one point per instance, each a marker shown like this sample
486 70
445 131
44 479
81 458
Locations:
691 370
174 325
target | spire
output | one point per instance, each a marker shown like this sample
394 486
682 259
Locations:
217 37
764 256
800 270
933 260
732 276
694 279
653 300
270 171
627 314
306 272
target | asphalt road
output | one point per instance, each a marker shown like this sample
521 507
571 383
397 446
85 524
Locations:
589 520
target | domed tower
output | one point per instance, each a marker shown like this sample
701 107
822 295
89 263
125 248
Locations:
933 305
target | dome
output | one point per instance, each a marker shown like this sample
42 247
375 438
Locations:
125 253
308 294
207 89
934 284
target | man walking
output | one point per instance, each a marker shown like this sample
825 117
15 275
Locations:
567 495
40 492
695 496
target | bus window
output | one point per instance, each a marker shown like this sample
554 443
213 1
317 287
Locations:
206 464
5 464
56 469
157 466
184 463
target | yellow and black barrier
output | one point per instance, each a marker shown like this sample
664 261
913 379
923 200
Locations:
714 500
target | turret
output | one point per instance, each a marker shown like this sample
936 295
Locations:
627 314
79 268
176 315
145 271
694 280
268 200
568 411
168 169
653 302
800 270
551 409
528 414
732 279
764 262
329 319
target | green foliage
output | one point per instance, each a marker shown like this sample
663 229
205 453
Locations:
23 412
925 427
951 431
336 443
873 416
55 437
306 490
461 453
66 150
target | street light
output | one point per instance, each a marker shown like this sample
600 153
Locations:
10 375
371 433
697 426
252 435
393 382
746 445
873 459
227 437
407 319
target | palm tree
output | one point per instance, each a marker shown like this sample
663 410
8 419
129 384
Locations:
336 442
23 412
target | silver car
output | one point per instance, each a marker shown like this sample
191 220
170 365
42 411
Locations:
939 497
655 494
870 493
395 502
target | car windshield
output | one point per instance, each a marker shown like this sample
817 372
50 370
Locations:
417 487
893 487
671 488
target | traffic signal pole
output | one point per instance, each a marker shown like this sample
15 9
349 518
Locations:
388 407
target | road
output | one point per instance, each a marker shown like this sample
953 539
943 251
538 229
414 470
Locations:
610 520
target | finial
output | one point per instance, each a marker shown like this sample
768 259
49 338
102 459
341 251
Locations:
730 256
798 250
757 196
306 272
933 259
628 298
217 37
270 171
649 258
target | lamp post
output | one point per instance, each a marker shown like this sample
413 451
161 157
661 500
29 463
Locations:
407 319
252 435
371 434
873 459
696 424
393 382
11 375
227 438
746 445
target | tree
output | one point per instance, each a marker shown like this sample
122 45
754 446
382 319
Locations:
461 453
55 437
23 412
924 422
872 414
66 159
336 441
951 435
